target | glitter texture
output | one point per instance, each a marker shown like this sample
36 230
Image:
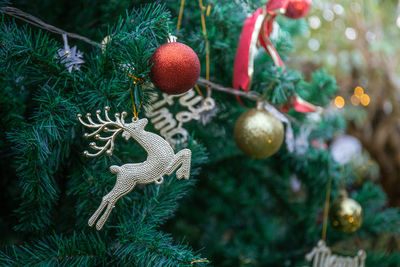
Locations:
298 8
258 134
345 214
161 159
322 256
175 69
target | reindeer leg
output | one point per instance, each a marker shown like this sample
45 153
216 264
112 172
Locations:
116 193
182 157
100 223
95 215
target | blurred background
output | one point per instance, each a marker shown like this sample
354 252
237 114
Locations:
358 43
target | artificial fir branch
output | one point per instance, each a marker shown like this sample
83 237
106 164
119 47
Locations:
77 249
19 14
231 214
50 119
279 94
38 156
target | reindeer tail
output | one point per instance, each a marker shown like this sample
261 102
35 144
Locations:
115 169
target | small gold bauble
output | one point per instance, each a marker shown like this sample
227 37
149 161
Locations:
258 134
345 214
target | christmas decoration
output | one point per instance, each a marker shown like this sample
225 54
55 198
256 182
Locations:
297 9
258 134
70 57
104 42
289 136
345 214
175 69
209 112
161 159
244 60
301 141
300 105
346 148
40 143
172 128
257 30
200 108
321 256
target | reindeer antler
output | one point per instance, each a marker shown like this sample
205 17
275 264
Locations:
102 126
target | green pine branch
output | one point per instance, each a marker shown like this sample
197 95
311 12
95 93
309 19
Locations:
38 154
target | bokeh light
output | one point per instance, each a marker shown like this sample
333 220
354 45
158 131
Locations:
338 9
355 100
358 91
365 100
328 15
350 33
313 44
387 107
339 102
314 22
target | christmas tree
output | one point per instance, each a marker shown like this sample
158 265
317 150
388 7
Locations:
237 209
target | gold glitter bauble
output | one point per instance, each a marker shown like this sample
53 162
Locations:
345 214
258 134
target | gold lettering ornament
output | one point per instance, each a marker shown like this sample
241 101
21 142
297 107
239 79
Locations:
321 256
161 159
170 127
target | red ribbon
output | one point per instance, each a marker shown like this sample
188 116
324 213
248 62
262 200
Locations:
253 32
241 76
277 6
299 105
243 60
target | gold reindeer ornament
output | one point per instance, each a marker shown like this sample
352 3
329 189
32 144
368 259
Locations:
161 159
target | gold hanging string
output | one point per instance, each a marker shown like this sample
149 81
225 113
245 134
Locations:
203 25
135 81
198 90
327 198
178 26
135 113
326 208
208 11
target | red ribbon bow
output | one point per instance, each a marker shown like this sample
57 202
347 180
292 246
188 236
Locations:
256 30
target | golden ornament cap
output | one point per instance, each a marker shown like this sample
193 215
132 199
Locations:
258 134
345 214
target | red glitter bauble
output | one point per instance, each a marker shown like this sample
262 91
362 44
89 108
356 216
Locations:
298 8
176 68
